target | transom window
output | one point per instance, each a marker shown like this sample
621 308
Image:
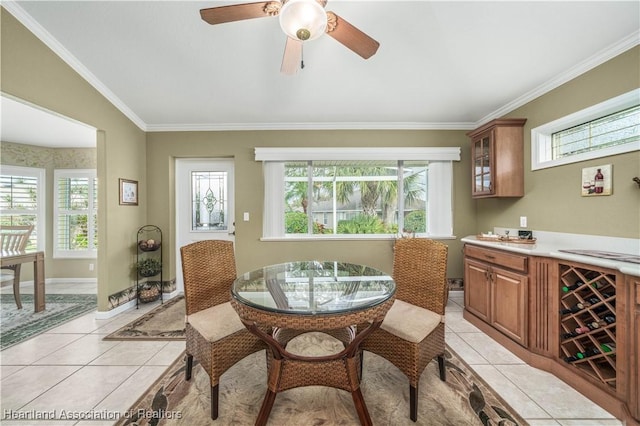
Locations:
611 127
349 198
615 129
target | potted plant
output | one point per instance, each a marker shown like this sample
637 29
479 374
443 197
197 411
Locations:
149 267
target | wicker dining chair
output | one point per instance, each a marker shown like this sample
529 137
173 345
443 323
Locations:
412 333
215 336
14 239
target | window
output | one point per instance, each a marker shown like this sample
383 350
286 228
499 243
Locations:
75 213
357 193
209 201
611 127
23 200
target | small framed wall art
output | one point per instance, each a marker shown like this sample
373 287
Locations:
597 181
128 192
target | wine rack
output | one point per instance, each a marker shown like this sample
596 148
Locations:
588 322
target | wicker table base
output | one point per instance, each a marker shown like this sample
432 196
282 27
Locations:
288 370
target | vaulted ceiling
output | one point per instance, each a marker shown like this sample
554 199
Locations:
445 65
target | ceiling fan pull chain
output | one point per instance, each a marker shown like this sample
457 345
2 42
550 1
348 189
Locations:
302 56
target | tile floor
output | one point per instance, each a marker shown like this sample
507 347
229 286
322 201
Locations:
71 368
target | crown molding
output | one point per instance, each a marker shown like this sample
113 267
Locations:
309 126
599 58
588 64
43 35
346 153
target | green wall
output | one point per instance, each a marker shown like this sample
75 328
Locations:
32 72
552 200
164 147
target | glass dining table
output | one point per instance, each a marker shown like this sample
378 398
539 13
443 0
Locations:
345 300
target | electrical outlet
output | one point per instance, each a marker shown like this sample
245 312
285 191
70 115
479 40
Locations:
523 221
91 266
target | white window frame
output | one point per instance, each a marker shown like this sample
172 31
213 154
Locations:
541 136
440 190
40 175
90 174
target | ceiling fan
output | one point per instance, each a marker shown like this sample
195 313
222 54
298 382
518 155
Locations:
301 20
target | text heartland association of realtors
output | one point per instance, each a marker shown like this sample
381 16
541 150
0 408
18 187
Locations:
88 414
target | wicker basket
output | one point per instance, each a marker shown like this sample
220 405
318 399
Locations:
149 294
145 246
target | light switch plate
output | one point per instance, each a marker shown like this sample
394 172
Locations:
523 221
246 216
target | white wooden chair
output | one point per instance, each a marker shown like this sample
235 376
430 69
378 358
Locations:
14 239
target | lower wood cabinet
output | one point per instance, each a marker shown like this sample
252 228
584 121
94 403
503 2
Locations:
577 321
477 289
496 290
509 304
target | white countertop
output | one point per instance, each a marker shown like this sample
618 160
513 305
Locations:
548 244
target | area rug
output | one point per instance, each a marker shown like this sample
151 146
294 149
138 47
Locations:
166 322
463 400
17 325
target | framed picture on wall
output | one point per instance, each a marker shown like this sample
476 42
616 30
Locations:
596 181
128 192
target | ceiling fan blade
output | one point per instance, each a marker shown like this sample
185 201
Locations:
350 36
292 56
238 12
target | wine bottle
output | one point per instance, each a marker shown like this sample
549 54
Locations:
569 335
580 330
609 319
599 182
569 288
608 347
571 358
590 352
575 308
587 353
586 328
593 300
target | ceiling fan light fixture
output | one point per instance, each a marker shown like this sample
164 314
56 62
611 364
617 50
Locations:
303 19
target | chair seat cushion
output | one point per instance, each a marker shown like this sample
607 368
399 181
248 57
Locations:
410 322
216 322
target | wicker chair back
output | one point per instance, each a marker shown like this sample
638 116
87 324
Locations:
208 270
420 273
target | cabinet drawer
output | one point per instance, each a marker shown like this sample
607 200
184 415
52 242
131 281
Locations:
508 260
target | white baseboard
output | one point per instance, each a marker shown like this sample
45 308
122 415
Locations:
113 312
99 314
70 280
48 281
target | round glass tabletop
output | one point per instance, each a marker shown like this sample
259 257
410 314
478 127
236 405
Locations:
313 288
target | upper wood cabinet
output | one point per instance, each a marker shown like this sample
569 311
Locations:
497 159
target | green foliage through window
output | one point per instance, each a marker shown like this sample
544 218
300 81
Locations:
355 197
